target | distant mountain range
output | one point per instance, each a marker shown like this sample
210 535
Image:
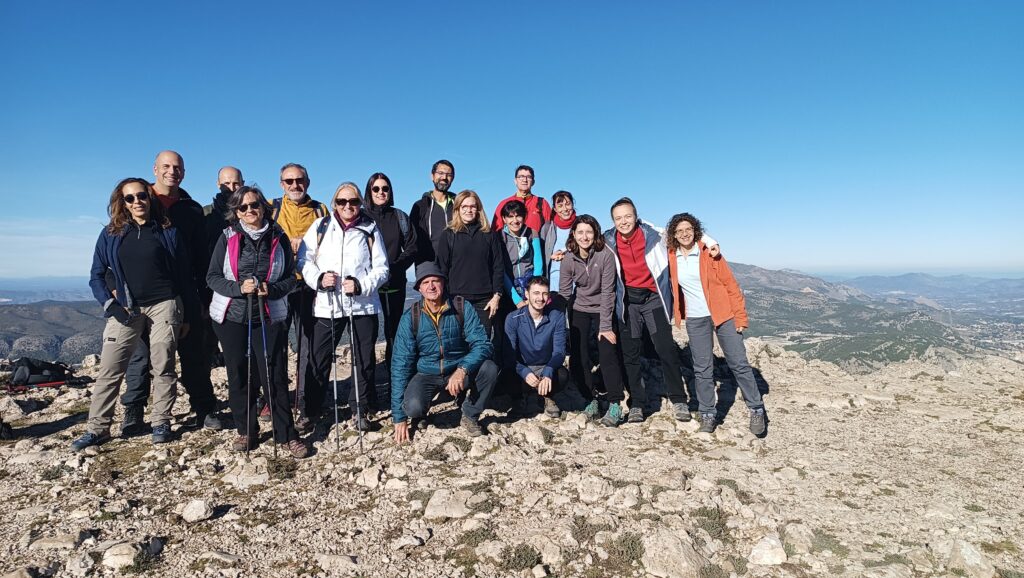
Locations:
861 323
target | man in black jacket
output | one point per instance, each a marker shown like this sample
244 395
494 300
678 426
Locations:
187 217
432 213
229 180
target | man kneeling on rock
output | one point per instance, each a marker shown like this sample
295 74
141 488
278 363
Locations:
440 344
536 349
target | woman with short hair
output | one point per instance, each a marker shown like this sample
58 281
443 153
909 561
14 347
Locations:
252 264
588 279
152 294
707 296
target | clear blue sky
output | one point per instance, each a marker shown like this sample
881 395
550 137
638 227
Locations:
821 136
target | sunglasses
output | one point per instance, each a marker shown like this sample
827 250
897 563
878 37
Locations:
342 202
142 196
385 188
292 182
245 208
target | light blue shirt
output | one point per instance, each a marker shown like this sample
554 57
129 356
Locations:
688 269
554 276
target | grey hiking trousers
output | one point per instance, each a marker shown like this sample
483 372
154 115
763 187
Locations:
702 349
161 322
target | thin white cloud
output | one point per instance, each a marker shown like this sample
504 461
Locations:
46 247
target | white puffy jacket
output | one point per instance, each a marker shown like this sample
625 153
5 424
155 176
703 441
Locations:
357 252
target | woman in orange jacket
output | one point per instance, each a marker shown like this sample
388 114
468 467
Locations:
711 301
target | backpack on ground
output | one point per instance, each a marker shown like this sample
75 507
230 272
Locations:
459 305
31 372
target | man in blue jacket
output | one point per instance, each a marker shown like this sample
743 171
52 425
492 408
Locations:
536 350
440 344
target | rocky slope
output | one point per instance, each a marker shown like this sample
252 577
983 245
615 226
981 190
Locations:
909 471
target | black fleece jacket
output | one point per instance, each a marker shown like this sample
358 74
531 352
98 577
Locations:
187 217
253 259
472 260
400 247
430 222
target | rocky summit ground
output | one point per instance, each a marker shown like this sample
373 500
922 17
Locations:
909 471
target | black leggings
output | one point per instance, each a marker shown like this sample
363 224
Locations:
580 361
318 376
234 338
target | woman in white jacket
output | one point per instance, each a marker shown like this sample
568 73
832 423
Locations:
343 257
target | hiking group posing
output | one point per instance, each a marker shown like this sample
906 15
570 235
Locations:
503 302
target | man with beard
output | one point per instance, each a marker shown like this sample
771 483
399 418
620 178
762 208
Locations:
295 212
229 180
187 217
432 213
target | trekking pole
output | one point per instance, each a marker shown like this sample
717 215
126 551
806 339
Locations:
334 356
248 375
266 366
355 373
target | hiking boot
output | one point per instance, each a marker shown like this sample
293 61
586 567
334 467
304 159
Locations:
708 422
758 422
89 439
243 443
132 425
613 417
162 434
363 424
265 413
636 415
297 449
212 422
682 411
418 424
305 424
592 410
551 408
472 426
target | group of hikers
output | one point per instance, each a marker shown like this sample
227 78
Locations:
503 302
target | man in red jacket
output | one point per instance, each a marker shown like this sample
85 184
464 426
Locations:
538 211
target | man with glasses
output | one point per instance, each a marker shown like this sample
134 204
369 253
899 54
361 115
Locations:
186 215
295 212
643 302
433 211
538 211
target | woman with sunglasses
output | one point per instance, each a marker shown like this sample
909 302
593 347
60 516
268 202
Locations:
472 260
251 263
400 244
588 277
343 257
152 295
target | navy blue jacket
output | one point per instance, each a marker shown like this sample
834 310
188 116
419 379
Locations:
106 257
534 345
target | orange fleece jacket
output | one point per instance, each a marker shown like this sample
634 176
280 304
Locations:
722 292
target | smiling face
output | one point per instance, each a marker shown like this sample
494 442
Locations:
584 236
294 182
250 211
431 288
380 192
443 177
346 203
537 295
684 234
169 169
524 181
469 210
514 222
138 194
624 217
564 207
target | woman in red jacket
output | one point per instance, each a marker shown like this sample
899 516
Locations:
711 301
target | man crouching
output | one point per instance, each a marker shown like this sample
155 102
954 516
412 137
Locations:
440 344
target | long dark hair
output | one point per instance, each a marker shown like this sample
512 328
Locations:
238 197
368 196
570 243
670 231
118 210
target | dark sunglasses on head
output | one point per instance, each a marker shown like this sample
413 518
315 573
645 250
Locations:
354 202
291 182
141 195
385 188
246 207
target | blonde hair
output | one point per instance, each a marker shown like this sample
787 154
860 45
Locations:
346 185
457 223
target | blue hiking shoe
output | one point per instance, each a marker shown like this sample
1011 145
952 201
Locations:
162 434
613 417
89 439
592 410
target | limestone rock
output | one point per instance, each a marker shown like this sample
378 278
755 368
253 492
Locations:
218 556
669 554
61 542
966 557
197 511
448 504
246 475
120 555
345 565
80 564
799 536
768 552
370 477
591 489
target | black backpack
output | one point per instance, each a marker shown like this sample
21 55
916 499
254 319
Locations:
460 312
30 372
